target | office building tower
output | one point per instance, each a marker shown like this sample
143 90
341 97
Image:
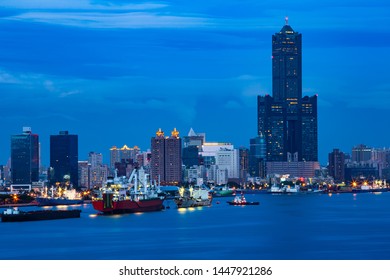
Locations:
229 160
92 173
192 145
257 156
287 65
166 161
244 163
336 168
173 161
361 153
24 158
64 159
288 121
95 159
157 166
193 139
124 153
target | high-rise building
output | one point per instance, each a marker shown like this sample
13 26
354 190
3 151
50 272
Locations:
244 163
173 162
166 162
124 153
64 158
24 158
95 159
336 168
228 160
287 65
192 145
257 156
193 139
288 121
157 164
92 173
361 153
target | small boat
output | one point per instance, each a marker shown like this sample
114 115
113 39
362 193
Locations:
14 215
240 200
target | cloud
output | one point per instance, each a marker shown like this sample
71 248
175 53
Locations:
69 93
52 88
130 20
77 5
6 78
234 15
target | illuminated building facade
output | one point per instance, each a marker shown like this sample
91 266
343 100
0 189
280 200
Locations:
123 154
288 121
166 161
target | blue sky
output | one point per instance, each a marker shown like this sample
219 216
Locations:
114 72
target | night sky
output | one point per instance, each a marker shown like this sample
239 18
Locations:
114 72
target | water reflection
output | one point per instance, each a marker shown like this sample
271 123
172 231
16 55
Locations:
317 228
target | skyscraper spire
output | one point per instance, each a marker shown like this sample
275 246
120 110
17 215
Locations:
286 19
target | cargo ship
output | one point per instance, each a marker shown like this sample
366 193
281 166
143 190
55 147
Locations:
60 197
193 198
14 215
123 196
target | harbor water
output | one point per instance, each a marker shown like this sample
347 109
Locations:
283 227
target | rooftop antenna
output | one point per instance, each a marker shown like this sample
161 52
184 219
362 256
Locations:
286 19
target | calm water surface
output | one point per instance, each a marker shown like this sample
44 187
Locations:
282 227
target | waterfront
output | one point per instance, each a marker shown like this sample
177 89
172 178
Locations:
282 227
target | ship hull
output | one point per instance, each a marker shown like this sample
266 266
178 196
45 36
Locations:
128 206
242 203
45 201
41 215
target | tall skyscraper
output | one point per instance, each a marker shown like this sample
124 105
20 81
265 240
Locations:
157 166
173 161
287 65
244 155
288 121
166 162
64 158
25 158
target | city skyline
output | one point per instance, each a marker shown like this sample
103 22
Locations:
113 73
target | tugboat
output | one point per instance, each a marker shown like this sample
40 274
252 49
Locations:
14 215
193 198
119 196
240 200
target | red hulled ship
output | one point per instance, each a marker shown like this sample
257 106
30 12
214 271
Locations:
119 196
